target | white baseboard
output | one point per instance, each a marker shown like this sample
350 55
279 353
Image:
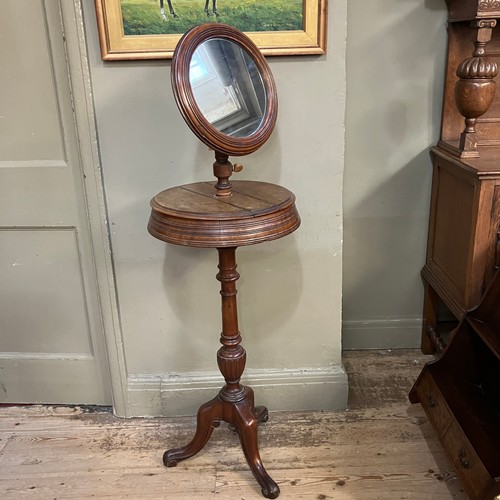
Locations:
299 389
403 333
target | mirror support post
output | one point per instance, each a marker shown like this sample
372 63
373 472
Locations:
223 170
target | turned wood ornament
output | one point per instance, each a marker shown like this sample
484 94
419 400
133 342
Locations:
475 89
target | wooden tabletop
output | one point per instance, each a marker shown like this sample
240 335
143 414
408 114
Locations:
192 215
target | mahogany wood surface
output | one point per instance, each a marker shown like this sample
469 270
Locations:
225 215
192 215
247 213
235 403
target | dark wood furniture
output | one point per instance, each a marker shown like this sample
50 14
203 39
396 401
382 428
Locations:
464 229
460 391
463 248
224 214
191 215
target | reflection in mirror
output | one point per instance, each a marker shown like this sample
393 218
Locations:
227 87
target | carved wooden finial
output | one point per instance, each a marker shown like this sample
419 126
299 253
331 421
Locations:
475 89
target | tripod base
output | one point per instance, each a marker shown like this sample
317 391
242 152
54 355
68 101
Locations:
243 417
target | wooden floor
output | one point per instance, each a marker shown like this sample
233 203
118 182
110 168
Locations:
380 448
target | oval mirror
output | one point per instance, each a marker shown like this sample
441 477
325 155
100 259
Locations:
224 89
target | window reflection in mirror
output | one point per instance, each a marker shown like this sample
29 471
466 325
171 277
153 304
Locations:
228 87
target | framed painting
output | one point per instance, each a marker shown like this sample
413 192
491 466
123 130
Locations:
150 29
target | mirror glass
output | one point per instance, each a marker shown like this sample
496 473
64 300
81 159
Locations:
224 89
228 87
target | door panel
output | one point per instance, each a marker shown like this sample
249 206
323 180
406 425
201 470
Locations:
51 334
48 260
29 126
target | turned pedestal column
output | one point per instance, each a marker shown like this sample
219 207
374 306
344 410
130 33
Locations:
247 213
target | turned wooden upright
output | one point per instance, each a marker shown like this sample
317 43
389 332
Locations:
226 215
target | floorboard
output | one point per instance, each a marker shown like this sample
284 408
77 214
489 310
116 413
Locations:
381 447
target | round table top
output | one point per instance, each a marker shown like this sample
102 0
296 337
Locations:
192 215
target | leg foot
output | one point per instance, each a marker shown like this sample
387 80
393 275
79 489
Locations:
167 460
262 414
272 491
246 422
208 417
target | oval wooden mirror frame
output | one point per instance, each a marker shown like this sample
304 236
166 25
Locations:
186 102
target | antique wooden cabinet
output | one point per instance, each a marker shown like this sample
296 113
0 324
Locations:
463 248
460 391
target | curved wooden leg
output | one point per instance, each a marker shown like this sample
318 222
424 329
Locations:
261 412
246 422
208 417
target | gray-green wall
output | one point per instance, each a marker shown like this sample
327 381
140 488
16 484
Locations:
289 291
366 212
395 66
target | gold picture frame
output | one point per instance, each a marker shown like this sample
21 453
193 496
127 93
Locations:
116 45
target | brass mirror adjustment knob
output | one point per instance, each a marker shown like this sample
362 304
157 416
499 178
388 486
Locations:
237 167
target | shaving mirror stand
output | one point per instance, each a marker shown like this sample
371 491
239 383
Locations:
225 215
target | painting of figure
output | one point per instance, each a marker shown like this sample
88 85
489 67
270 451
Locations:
161 17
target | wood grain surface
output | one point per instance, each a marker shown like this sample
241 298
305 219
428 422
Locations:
192 215
380 448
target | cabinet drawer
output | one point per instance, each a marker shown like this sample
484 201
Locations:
433 402
469 467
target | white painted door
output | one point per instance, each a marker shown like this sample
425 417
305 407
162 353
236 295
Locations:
51 329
